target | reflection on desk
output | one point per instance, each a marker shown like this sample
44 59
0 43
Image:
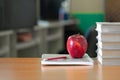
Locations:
20 69
96 72
31 69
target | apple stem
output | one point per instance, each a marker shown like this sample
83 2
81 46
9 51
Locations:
77 34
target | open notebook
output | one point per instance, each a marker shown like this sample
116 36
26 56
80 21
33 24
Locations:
86 60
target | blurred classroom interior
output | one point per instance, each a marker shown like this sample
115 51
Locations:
30 28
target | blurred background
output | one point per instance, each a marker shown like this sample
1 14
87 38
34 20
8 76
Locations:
30 28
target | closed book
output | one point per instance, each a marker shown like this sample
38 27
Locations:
108 45
108 53
106 27
54 59
108 37
108 61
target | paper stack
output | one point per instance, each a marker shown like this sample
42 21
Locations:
108 52
85 60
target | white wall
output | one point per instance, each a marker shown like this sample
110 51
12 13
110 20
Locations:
89 6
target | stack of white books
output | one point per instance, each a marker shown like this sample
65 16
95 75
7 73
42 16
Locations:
108 45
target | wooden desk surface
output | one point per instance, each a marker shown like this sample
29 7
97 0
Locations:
31 69
20 69
96 72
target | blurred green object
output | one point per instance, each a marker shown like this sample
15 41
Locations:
88 20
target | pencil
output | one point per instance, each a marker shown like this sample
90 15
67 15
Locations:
55 58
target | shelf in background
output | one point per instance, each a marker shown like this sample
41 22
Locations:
3 33
51 24
24 45
53 37
4 50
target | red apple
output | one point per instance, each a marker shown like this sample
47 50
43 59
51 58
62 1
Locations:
76 45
